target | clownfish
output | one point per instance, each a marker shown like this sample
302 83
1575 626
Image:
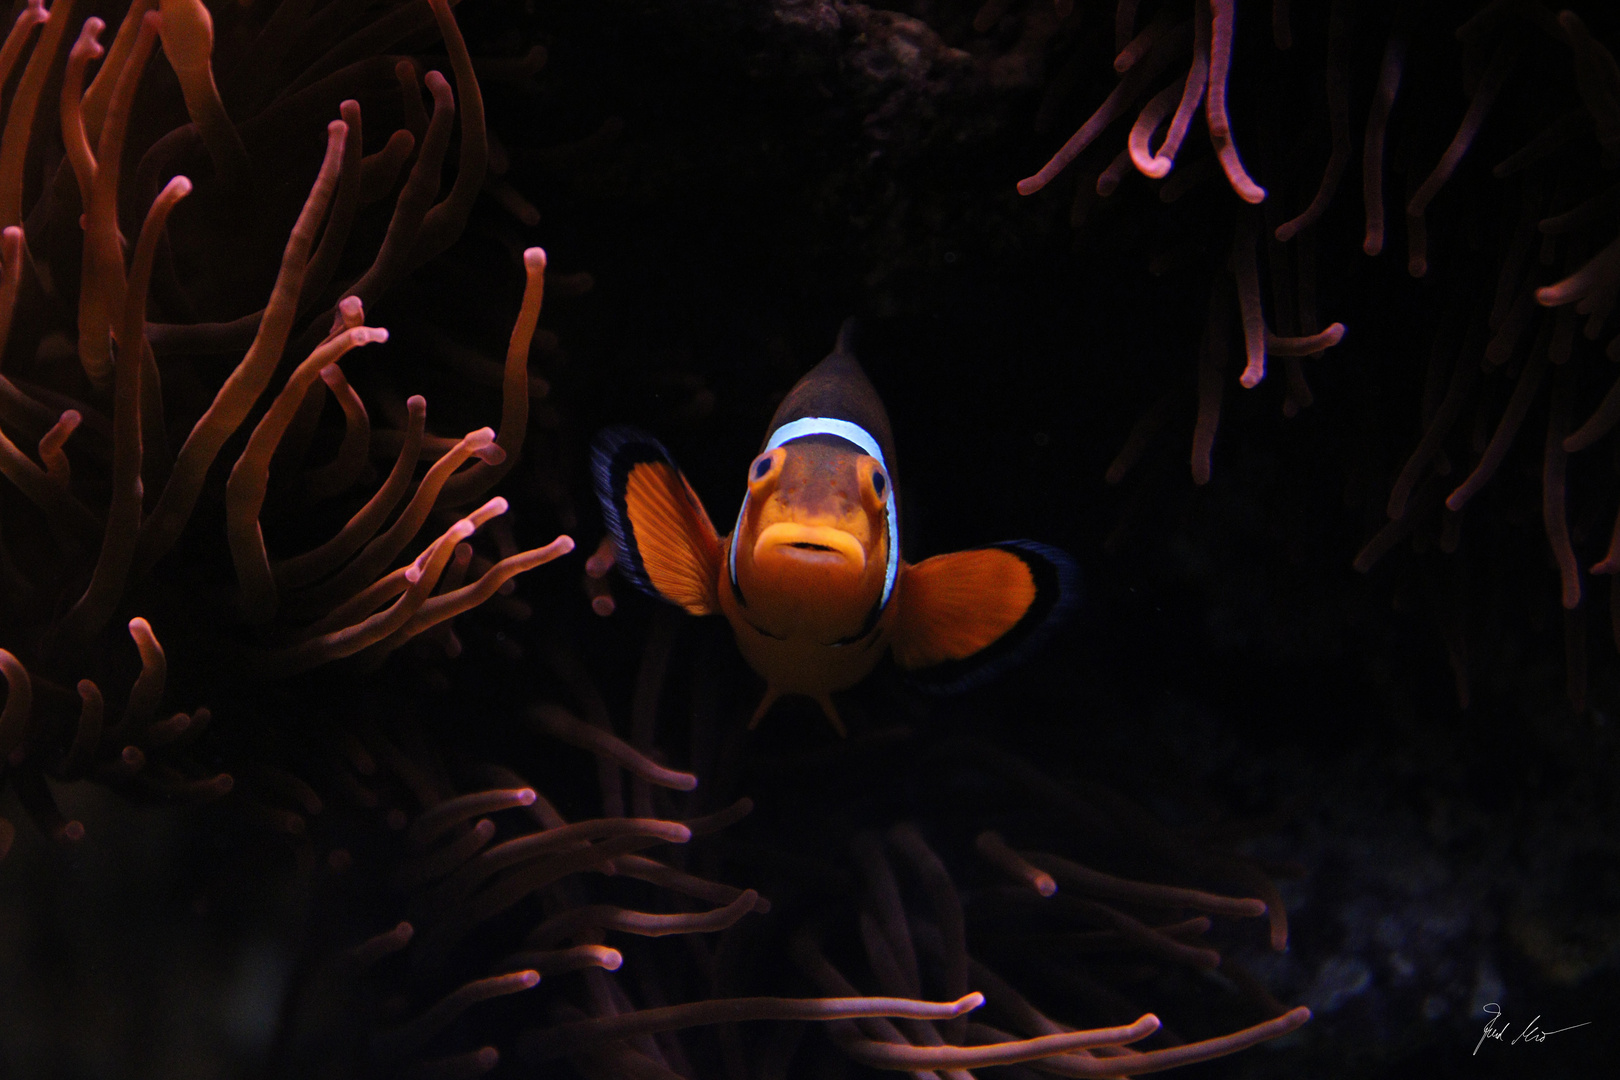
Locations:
811 578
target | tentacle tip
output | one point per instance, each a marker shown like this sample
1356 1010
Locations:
139 626
1286 231
337 129
534 260
179 187
415 404
70 832
1030 185
1252 376
529 978
603 605
526 796
612 960
967 1004
1046 886
564 544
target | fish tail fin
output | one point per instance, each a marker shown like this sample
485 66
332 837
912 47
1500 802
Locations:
666 545
966 617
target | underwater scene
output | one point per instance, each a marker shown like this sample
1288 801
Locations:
809 539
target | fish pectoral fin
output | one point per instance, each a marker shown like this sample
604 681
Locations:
666 544
980 611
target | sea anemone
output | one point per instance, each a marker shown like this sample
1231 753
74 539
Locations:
1530 144
123 511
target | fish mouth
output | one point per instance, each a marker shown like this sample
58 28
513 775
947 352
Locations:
811 544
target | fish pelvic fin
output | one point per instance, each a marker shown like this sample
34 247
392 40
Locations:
830 711
765 703
665 543
964 618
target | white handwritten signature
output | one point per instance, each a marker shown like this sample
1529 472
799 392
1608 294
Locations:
1531 1033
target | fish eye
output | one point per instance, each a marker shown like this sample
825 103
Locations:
763 472
879 482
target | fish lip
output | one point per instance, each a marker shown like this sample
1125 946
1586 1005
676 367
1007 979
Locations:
810 544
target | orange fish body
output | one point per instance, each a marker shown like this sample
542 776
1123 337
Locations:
811 578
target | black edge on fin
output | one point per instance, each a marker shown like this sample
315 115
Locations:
614 452
1057 594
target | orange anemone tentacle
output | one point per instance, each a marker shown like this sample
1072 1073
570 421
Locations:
75 137
248 380
188 42
102 277
514 388
311 566
95 607
19 124
245 490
